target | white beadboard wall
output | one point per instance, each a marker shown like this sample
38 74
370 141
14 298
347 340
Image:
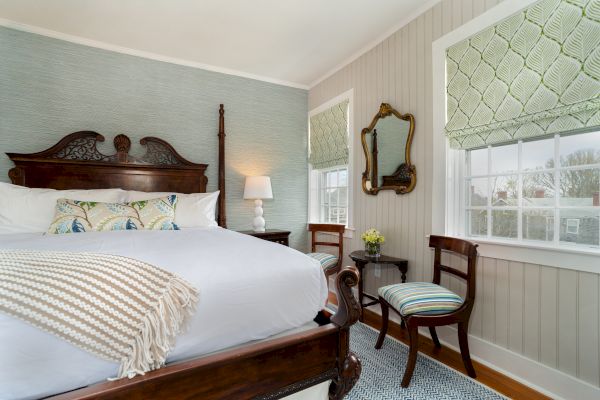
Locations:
546 314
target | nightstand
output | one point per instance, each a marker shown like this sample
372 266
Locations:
272 235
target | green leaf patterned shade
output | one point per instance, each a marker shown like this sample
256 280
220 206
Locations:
329 137
534 74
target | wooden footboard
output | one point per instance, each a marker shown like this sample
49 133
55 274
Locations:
267 370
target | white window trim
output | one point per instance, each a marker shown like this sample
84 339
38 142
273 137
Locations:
448 166
313 175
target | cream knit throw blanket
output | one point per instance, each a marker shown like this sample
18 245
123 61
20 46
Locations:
117 308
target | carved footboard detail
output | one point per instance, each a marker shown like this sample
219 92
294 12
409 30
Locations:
349 365
347 378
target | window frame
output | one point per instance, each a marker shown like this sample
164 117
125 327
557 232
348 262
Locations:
446 165
314 190
556 208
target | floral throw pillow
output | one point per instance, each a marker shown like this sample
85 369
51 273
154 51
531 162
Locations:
72 216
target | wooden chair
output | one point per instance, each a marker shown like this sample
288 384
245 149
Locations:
431 305
330 263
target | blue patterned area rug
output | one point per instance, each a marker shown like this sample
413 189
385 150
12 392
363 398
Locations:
382 372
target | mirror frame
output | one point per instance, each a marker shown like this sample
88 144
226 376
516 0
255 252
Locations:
406 168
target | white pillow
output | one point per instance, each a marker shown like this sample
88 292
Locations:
27 210
196 210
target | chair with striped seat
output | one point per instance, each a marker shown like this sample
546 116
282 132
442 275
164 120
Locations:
431 305
330 263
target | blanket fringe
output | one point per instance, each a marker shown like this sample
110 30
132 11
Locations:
159 328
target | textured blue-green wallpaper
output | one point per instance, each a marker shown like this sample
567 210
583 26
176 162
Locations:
49 88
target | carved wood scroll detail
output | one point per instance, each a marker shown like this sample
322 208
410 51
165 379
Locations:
82 146
348 310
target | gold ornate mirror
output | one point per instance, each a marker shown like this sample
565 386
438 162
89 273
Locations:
386 143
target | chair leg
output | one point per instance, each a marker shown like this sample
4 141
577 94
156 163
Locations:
385 315
412 354
464 349
434 337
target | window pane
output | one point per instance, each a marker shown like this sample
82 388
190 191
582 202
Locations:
580 149
504 191
538 190
324 197
325 214
579 188
538 225
478 162
477 191
505 158
477 223
332 178
504 223
343 199
538 154
343 177
579 226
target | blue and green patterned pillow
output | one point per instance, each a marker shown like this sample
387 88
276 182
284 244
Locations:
72 216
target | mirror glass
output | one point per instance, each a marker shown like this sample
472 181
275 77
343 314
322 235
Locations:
386 143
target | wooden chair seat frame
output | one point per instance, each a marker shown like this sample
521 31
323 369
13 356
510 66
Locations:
266 370
460 316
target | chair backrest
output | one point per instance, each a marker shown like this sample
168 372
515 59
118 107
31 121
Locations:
457 246
334 228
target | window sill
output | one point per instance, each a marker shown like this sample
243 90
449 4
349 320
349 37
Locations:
580 259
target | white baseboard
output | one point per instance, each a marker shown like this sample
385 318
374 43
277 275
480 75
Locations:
549 381
546 380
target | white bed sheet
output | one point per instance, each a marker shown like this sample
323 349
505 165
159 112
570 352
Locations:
249 289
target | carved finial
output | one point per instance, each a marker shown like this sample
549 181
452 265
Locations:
122 144
385 109
16 176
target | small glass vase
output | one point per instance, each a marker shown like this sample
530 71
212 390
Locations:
373 249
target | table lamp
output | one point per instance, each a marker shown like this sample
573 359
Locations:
258 188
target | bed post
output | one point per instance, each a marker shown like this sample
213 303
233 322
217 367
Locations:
349 365
222 218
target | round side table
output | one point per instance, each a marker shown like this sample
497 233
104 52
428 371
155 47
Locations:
361 259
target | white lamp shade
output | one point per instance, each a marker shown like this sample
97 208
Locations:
258 187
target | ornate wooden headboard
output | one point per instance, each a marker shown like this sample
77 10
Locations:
76 163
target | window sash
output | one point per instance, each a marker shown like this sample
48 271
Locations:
557 209
330 212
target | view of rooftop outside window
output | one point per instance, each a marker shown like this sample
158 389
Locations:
544 190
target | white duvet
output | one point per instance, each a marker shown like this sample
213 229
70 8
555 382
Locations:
249 289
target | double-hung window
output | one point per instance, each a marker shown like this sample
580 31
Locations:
545 190
329 162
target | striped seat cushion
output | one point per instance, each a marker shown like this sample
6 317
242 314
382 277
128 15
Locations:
420 298
328 261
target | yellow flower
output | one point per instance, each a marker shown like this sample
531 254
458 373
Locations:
372 236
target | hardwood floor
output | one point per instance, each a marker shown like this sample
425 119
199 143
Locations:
489 377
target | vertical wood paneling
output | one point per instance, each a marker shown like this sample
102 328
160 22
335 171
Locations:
489 297
587 310
549 316
567 321
476 318
531 312
515 307
544 313
501 303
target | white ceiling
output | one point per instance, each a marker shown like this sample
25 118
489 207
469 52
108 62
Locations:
293 42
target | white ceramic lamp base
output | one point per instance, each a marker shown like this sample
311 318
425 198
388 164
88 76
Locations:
258 223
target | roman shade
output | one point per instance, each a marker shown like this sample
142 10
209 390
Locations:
534 74
329 137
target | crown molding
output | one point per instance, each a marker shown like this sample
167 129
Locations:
143 54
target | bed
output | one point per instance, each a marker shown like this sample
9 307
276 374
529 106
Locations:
233 348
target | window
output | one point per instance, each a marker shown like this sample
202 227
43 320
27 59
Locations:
545 191
333 195
329 161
